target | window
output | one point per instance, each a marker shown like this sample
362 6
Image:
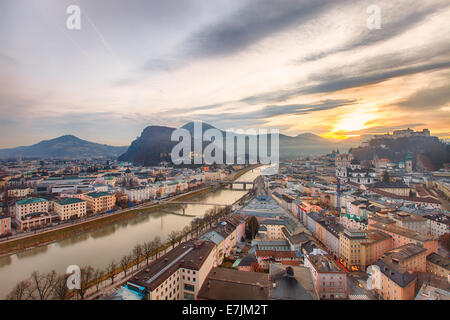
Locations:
188 287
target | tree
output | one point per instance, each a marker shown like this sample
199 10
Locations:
124 262
43 284
86 276
111 269
21 291
60 290
157 243
137 253
252 227
148 248
386 177
194 226
98 275
173 238
186 232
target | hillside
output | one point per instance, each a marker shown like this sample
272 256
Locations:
154 145
67 146
428 153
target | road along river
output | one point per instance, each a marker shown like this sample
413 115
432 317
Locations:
99 247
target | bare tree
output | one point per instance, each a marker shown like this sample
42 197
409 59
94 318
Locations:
87 275
60 290
147 247
173 238
137 253
194 226
124 263
98 275
186 232
21 291
111 269
43 284
157 243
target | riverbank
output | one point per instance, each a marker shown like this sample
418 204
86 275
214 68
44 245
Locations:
31 241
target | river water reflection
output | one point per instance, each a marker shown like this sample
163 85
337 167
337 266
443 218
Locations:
99 247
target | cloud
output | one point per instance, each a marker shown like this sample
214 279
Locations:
403 20
256 20
428 98
332 82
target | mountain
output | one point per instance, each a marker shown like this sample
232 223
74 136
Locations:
67 146
427 153
154 145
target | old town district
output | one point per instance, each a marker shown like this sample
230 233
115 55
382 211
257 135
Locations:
343 229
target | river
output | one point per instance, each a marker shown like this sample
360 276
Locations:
99 247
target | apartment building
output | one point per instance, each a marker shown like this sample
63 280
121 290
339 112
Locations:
401 236
438 224
31 213
350 248
330 279
5 224
177 275
100 201
19 192
274 228
225 236
410 221
392 282
438 265
138 194
68 208
373 247
410 257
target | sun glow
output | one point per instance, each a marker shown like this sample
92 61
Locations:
348 123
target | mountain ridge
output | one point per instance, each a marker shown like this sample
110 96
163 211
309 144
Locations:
65 146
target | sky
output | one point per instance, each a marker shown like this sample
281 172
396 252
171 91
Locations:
294 65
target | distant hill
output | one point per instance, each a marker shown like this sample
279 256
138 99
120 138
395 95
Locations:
428 153
67 146
154 145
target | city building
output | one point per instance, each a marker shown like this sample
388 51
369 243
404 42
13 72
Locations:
392 282
100 201
350 248
291 283
401 236
5 224
329 277
410 257
438 224
438 265
68 208
429 292
230 284
177 275
138 194
30 213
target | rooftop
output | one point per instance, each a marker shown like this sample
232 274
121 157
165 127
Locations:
230 284
65 201
401 231
291 283
439 260
398 275
189 255
98 194
30 200
403 253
